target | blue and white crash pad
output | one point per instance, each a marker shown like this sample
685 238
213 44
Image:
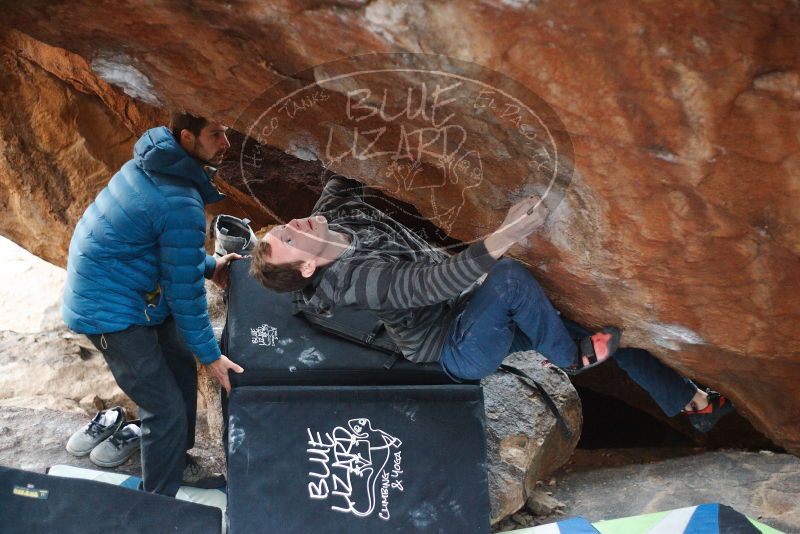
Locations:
713 518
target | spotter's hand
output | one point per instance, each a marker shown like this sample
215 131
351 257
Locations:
220 276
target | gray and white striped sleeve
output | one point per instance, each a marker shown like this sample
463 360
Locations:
381 285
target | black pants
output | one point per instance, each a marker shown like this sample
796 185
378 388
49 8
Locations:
155 368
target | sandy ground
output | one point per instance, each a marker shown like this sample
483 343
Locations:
608 484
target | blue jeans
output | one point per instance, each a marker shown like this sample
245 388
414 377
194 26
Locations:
511 313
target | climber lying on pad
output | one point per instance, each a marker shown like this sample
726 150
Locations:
348 253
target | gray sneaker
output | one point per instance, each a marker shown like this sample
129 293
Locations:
119 447
99 428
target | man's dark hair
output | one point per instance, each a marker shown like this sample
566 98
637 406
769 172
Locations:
186 121
279 277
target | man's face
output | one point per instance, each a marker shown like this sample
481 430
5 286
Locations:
298 240
210 145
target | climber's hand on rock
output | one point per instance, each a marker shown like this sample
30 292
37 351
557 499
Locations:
524 218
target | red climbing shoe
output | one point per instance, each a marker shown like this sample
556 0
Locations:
596 349
705 419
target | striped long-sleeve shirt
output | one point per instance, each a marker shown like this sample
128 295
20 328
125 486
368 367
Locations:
412 287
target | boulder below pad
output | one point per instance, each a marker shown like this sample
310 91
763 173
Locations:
524 441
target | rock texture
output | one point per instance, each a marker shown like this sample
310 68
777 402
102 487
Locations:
60 145
611 382
65 132
45 366
56 370
35 439
33 296
208 388
524 442
764 486
680 222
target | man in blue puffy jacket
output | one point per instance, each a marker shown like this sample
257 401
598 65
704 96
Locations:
135 285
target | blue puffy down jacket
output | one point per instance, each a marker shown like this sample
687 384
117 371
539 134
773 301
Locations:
137 254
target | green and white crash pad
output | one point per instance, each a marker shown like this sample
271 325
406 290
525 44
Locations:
209 497
713 518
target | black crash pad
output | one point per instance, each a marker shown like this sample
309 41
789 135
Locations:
34 503
276 346
347 459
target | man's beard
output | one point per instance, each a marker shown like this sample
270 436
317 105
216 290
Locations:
217 158
214 160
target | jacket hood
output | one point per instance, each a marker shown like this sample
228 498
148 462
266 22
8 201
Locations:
157 152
